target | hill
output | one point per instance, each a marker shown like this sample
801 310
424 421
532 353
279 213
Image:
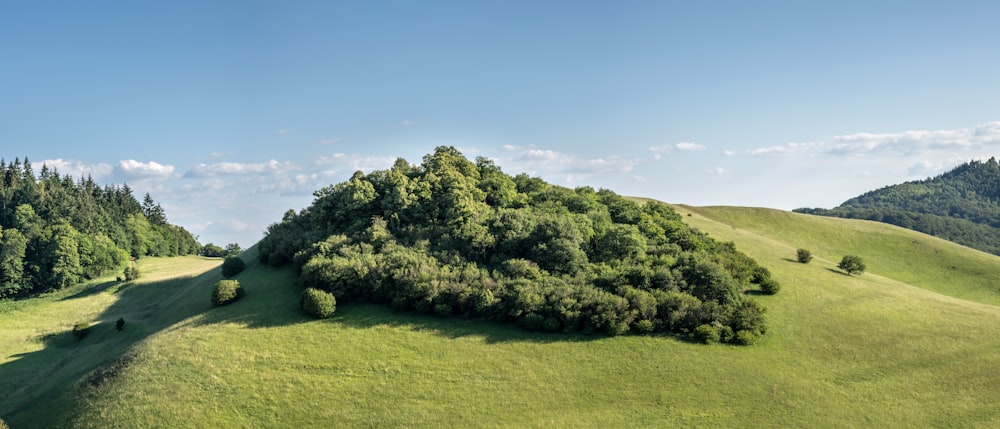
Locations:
962 205
876 350
456 238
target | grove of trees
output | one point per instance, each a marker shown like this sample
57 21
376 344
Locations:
453 237
56 230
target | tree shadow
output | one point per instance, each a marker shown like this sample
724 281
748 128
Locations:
838 272
93 290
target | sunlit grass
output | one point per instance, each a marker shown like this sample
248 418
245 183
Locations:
876 350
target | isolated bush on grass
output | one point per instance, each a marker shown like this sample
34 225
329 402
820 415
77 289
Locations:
769 286
232 266
131 273
852 264
81 330
318 303
120 323
804 256
226 291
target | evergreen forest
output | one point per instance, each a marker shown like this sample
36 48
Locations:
962 205
458 238
56 230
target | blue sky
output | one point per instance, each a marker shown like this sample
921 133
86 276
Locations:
230 113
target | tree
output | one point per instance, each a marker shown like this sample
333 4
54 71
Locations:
12 250
233 249
232 266
212 251
852 264
226 291
318 303
804 256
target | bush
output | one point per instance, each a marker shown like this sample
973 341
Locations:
81 330
226 291
852 264
769 286
131 273
746 338
804 256
318 303
232 266
120 323
707 334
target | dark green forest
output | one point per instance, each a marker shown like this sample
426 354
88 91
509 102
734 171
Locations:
962 205
56 230
453 237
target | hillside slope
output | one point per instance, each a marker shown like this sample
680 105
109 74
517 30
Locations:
962 205
876 350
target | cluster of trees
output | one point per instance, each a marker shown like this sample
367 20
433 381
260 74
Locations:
962 205
455 237
56 231
213 251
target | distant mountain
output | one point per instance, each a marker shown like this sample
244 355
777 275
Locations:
962 205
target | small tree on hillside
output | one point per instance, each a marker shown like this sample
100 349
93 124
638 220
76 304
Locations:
804 256
232 266
852 264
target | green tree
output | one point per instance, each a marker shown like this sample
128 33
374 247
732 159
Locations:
232 266
12 250
852 264
803 255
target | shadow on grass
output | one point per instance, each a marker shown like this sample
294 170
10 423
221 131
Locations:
838 272
93 290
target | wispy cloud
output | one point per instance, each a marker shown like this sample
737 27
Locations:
282 132
570 168
728 152
689 146
717 171
903 143
236 168
335 140
658 151
406 123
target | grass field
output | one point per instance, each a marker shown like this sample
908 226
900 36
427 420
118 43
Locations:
913 343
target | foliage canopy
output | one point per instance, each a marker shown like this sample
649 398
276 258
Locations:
456 237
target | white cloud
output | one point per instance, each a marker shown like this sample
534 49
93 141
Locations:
406 123
718 171
913 142
728 152
658 151
132 169
571 168
236 168
689 146
76 168
282 132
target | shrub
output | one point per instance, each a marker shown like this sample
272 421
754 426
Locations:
769 286
707 334
852 264
644 326
81 330
804 256
318 303
120 323
746 338
226 291
131 273
232 266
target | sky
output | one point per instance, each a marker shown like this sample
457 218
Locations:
230 113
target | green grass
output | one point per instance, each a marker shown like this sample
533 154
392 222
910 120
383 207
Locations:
884 349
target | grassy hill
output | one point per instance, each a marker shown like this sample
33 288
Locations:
913 342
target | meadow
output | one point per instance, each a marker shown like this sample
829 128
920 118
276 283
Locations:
914 342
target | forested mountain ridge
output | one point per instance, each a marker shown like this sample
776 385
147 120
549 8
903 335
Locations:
453 237
962 205
56 230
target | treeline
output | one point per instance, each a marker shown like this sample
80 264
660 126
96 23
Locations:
56 230
457 238
962 205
